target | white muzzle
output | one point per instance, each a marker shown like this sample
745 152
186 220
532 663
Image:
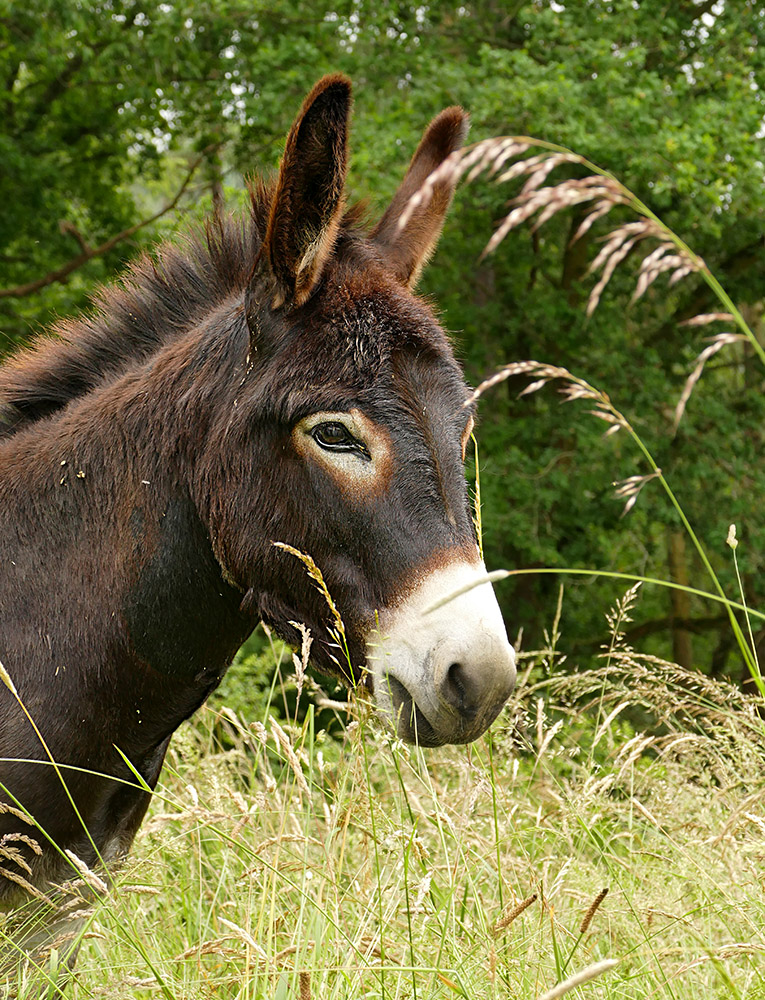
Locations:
441 675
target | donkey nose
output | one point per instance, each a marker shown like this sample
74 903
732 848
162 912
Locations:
477 682
440 659
462 688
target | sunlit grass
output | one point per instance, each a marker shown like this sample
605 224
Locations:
278 862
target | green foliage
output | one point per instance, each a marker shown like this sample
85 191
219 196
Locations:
251 686
106 106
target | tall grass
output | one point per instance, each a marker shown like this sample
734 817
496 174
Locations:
278 862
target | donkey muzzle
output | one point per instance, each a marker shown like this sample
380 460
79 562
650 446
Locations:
440 659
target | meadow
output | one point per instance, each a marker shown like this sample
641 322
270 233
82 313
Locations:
279 861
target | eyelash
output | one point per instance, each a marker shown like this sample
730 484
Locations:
346 443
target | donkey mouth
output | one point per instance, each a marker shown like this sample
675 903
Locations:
412 725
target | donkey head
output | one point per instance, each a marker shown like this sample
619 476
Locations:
353 413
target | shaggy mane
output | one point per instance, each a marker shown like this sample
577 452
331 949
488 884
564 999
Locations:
159 298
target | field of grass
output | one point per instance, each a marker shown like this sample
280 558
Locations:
279 862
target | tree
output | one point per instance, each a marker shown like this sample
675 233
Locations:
110 112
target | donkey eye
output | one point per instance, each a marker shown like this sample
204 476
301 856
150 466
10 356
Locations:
334 436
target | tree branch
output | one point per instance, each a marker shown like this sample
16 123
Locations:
88 252
69 229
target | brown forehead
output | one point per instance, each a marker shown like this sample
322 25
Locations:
365 341
359 285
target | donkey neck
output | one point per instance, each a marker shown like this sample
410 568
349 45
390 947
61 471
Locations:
113 474
182 617
180 610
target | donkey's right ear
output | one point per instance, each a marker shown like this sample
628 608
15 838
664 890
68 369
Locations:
307 203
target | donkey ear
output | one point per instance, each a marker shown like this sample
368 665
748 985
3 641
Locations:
308 200
409 249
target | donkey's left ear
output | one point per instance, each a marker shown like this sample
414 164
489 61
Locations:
409 249
308 200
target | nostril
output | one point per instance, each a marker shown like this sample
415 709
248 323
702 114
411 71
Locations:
453 677
457 688
409 720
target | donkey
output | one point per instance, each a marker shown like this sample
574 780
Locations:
272 380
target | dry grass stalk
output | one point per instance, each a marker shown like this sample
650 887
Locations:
548 738
619 614
290 950
148 983
732 950
18 813
573 388
629 489
214 947
5 677
506 158
536 198
82 914
283 740
514 913
704 318
661 260
316 575
15 855
594 906
282 838
322 700
219 946
489 155
617 246
20 838
301 662
591 972
604 726
716 344
140 890
244 936
725 722
88 875
21 881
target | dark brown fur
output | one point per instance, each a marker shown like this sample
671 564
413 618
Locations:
146 469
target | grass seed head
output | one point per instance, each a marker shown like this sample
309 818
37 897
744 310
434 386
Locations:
305 985
579 978
505 159
594 905
716 344
316 575
513 913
